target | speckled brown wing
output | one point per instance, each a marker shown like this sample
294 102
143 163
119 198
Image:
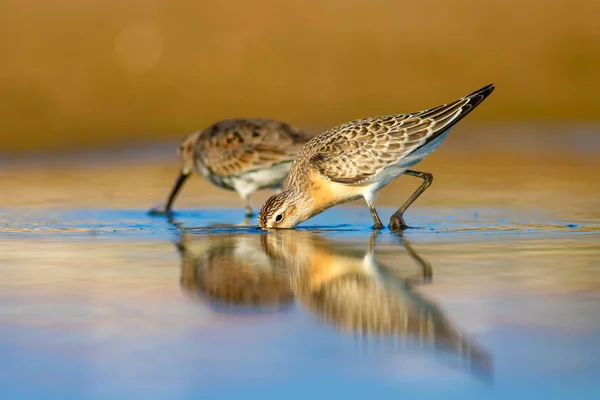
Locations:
232 147
356 151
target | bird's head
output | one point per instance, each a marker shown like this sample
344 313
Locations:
283 210
186 153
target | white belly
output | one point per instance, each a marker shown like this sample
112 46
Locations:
250 182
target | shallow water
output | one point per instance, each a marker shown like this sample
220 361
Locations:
494 291
112 303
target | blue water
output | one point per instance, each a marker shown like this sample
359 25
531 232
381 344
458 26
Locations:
432 220
93 305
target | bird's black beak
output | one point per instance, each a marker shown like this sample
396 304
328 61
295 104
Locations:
166 209
176 188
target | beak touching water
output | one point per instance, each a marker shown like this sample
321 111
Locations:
166 209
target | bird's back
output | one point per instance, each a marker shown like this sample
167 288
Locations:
356 151
233 147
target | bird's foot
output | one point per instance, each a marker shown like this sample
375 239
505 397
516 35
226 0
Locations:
378 226
397 223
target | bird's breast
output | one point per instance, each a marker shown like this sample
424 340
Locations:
325 193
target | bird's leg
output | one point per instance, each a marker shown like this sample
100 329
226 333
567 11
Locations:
377 225
166 209
397 220
247 221
249 212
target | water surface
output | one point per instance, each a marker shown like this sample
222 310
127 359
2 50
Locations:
107 303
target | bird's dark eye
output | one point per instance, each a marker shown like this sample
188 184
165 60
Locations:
279 218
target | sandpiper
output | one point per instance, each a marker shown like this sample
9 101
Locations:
242 155
358 158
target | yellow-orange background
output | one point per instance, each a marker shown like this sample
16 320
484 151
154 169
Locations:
90 73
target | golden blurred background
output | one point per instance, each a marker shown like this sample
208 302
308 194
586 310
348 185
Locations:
89 73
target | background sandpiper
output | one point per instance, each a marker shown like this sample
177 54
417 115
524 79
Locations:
243 155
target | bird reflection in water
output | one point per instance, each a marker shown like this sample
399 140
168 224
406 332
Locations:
232 271
343 286
349 289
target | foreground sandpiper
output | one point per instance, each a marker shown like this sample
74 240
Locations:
242 155
358 158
